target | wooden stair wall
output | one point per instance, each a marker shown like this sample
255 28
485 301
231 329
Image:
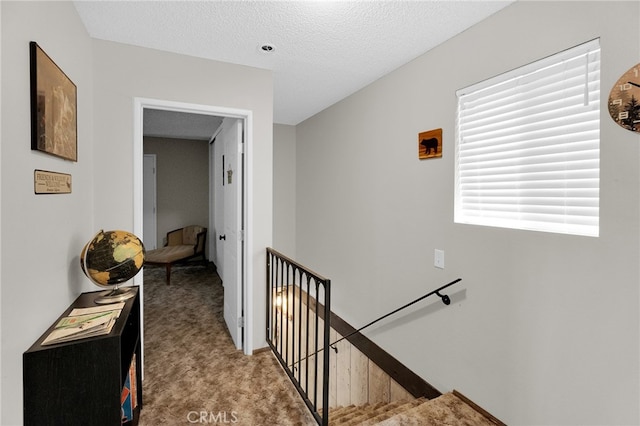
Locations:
354 379
360 372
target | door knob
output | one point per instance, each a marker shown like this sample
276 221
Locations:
222 237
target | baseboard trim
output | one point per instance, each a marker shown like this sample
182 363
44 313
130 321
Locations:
259 351
479 409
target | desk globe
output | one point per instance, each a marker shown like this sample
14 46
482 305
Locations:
111 258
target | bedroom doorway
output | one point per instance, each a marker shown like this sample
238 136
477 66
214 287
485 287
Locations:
244 118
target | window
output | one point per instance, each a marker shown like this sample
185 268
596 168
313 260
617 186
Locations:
528 146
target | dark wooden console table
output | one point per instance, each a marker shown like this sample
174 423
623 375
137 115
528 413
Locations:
81 382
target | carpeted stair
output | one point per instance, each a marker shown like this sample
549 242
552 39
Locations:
371 414
445 410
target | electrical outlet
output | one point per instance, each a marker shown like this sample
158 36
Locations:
438 259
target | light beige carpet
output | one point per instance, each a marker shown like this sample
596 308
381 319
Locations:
193 373
446 410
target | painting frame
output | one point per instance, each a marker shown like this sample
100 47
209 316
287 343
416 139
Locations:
54 98
428 141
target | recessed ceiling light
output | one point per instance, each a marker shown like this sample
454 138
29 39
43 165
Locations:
268 48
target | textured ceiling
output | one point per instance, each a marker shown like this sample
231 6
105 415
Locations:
180 125
324 50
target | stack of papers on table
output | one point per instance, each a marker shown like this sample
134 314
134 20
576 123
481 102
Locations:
85 322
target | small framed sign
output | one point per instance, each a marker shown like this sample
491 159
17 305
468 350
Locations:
45 182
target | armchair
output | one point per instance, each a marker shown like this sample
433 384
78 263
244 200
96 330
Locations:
182 244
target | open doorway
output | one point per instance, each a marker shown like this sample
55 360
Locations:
176 162
243 291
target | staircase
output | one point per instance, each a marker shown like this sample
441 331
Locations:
355 382
447 409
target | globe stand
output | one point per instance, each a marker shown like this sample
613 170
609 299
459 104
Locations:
115 295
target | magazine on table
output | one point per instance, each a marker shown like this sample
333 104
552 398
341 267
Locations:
83 323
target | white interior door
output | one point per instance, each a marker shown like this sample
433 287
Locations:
231 140
150 226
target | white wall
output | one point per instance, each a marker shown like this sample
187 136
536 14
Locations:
123 73
0 212
544 328
42 235
284 189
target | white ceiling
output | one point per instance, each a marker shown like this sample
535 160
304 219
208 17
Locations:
179 125
324 50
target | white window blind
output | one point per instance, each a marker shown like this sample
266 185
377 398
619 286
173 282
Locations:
528 146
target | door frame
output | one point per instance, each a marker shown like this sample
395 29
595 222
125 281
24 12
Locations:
246 116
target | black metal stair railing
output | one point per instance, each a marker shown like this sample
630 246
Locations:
298 326
297 332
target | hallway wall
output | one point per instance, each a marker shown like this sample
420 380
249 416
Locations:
544 328
284 189
42 235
